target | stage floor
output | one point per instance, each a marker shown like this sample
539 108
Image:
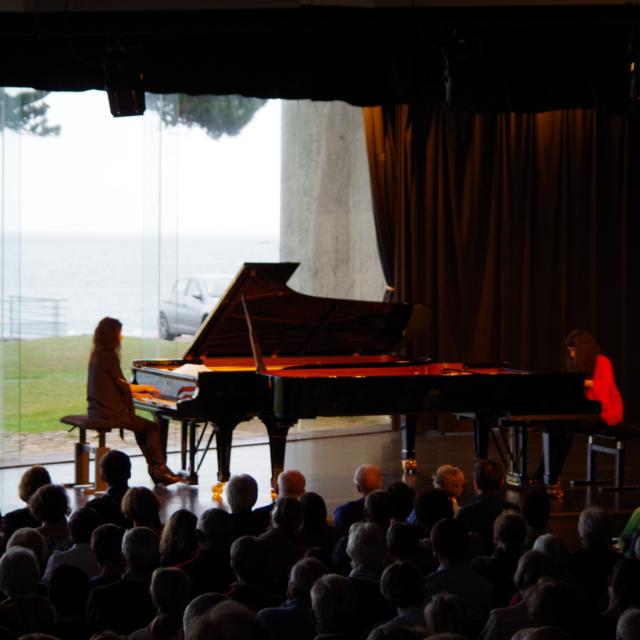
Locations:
329 458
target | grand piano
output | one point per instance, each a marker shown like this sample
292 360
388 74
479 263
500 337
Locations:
270 352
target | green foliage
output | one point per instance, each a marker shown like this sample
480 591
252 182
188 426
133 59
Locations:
27 111
217 115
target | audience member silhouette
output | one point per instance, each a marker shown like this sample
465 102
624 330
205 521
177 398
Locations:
451 480
178 541
209 569
125 605
115 469
536 510
628 627
82 524
170 595
367 478
333 604
200 606
446 613
242 494
50 505
229 621
251 587
106 543
141 506
23 611
449 538
292 620
31 480
402 585
489 503
68 593
315 531
430 507
402 499
29 539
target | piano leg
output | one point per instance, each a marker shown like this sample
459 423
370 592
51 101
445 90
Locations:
224 437
409 464
482 429
277 430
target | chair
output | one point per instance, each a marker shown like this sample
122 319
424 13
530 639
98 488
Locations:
83 450
609 440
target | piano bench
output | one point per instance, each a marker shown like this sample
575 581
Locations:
83 450
609 440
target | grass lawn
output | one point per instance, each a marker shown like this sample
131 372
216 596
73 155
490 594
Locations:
44 379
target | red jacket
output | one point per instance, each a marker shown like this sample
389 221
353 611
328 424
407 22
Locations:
604 390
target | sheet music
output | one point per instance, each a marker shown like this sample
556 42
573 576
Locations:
191 369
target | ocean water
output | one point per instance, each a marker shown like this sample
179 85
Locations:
124 276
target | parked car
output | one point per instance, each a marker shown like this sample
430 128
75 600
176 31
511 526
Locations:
191 300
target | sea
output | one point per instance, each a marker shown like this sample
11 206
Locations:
54 283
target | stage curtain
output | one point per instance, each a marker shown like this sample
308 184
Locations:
513 229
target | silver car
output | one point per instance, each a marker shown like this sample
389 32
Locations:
191 300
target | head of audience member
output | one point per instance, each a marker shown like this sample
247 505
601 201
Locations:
82 524
403 539
170 595
333 604
509 531
28 538
286 515
402 585
540 633
625 585
49 504
449 539
214 529
367 546
556 548
291 484
106 544
141 550
595 528
322 554
32 479
532 566
69 589
303 576
554 603
200 606
431 506
248 555
367 478
142 507
447 636
446 613
106 635
488 476
179 541
628 627
314 511
19 572
115 469
536 508
229 621
402 498
449 479
242 493
378 508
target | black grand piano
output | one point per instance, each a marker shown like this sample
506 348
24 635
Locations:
267 351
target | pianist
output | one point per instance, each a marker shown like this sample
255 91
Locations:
110 398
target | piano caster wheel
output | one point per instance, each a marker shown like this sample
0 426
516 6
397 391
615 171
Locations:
217 490
410 467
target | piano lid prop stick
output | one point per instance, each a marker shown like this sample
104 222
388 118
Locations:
255 347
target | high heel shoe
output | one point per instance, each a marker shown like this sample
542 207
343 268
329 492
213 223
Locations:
161 474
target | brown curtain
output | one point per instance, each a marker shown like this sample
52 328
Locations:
512 228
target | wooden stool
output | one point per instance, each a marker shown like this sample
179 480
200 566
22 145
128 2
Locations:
610 441
83 450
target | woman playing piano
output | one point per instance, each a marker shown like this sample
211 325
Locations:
110 398
582 354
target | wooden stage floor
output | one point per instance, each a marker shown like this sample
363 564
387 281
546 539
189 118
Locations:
329 459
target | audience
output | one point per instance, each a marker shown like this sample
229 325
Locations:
367 478
31 480
201 578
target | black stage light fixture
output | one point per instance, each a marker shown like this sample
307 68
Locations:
124 84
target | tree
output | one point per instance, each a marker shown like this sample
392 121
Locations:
217 115
26 111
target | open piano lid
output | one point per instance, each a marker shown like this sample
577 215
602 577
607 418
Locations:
287 323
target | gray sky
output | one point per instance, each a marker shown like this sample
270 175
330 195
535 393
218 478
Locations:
92 177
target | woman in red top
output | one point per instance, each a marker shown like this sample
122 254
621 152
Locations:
582 355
